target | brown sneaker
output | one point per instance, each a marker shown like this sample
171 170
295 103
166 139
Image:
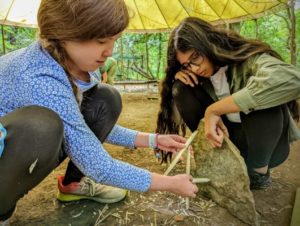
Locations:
89 189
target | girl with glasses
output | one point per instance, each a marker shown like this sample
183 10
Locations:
241 87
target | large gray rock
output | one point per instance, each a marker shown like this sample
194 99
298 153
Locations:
225 167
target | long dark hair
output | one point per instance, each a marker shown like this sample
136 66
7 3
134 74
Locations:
221 46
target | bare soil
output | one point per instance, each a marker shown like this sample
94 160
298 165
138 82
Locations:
40 207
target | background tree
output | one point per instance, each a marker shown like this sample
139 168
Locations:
143 56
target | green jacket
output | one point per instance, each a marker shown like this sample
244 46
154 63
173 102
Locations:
261 82
110 68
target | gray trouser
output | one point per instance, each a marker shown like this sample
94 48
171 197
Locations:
35 133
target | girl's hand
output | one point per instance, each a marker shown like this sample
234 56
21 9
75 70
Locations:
181 184
214 128
187 77
170 143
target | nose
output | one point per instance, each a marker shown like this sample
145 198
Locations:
109 50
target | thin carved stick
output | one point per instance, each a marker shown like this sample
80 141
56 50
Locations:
176 159
188 171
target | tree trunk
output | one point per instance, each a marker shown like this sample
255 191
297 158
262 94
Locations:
148 69
122 57
292 29
291 25
159 56
141 72
256 28
3 39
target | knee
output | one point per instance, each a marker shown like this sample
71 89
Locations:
108 95
38 120
181 93
178 88
116 100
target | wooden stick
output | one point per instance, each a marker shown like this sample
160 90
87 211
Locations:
201 180
188 171
176 159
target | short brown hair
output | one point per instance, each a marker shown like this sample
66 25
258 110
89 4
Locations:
81 20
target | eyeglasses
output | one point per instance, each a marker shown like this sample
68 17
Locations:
196 60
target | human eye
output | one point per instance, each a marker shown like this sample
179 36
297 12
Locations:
195 56
101 41
197 60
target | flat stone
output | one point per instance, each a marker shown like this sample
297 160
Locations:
229 185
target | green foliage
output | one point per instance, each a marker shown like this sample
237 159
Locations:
298 38
273 30
143 56
131 51
16 38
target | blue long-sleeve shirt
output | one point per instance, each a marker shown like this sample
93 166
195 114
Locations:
30 76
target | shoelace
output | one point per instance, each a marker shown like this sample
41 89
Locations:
90 186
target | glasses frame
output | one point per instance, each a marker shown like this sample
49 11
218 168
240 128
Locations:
196 60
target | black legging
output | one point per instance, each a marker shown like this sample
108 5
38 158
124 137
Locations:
36 133
261 137
101 110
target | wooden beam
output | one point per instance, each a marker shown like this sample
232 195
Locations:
296 210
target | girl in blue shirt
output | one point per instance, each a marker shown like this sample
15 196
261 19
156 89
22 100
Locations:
51 108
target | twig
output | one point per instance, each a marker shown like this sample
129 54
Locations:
101 212
188 171
103 218
168 221
142 217
176 159
200 180
126 217
78 214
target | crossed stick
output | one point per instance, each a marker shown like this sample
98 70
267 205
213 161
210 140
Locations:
188 164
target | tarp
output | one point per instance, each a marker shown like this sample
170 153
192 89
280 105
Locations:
155 15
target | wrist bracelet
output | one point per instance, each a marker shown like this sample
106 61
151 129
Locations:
3 134
152 140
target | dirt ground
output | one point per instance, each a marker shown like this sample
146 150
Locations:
40 207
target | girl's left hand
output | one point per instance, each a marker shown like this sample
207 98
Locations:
215 130
170 143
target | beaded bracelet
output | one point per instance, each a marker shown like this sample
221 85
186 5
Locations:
3 134
153 140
